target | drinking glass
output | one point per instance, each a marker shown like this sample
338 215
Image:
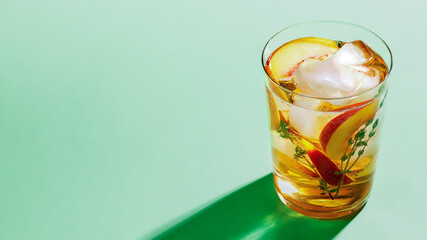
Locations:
324 149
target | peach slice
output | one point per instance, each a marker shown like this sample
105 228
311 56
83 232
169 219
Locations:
284 161
284 60
274 112
327 169
335 135
351 106
279 93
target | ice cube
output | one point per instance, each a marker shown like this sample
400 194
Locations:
353 69
281 144
353 53
308 123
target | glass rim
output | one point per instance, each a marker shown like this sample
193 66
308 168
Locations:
270 78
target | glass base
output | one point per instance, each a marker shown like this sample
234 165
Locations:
325 215
324 208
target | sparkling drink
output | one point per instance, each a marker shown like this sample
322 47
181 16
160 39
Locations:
326 101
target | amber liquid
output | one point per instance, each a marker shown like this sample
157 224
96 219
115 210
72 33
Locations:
298 187
296 181
300 190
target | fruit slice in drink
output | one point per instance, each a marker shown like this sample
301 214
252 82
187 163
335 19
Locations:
284 163
336 134
274 112
327 169
285 60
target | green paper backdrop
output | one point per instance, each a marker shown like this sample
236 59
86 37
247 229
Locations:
120 118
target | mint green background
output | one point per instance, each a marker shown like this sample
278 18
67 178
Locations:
120 116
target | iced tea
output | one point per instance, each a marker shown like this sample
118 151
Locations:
325 99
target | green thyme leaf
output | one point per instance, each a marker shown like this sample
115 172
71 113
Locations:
380 90
382 102
361 134
344 157
284 130
375 124
299 152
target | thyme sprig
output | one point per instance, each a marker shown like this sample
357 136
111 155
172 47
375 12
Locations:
284 131
357 144
300 152
324 187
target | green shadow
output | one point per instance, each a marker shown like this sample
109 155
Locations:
253 212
